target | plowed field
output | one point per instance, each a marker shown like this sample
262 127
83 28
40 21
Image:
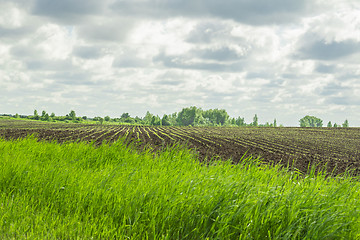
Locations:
296 148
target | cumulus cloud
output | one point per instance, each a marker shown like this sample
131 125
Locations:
280 59
321 50
208 31
325 68
130 59
191 62
250 12
88 52
67 11
219 54
113 29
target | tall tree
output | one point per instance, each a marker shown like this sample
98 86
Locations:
221 116
148 117
329 124
46 117
173 119
72 114
255 121
187 116
138 120
275 124
240 121
345 124
165 120
155 121
200 120
36 115
311 121
216 116
125 115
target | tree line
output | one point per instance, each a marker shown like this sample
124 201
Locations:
311 121
189 116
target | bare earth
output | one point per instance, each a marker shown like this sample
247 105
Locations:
295 148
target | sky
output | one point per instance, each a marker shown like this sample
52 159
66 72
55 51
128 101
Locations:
282 59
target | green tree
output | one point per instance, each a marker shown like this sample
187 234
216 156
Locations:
172 119
200 120
346 124
311 121
275 123
216 116
255 121
52 115
130 120
138 120
155 121
221 116
209 116
125 116
72 115
148 117
165 120
46 117
335 125
17 115
107 118
240 122
84 117
329 124
36 115
187 116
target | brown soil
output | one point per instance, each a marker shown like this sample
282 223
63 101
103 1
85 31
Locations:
295 148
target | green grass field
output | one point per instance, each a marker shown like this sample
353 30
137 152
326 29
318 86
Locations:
78 191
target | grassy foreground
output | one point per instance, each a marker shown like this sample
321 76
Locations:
77 191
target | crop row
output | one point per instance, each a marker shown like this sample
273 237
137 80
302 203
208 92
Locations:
335 147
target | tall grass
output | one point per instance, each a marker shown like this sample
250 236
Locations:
77 191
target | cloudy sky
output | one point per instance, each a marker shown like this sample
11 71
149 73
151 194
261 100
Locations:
280 59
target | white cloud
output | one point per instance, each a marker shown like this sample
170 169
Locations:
167 35
10 16
54 41
281 60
